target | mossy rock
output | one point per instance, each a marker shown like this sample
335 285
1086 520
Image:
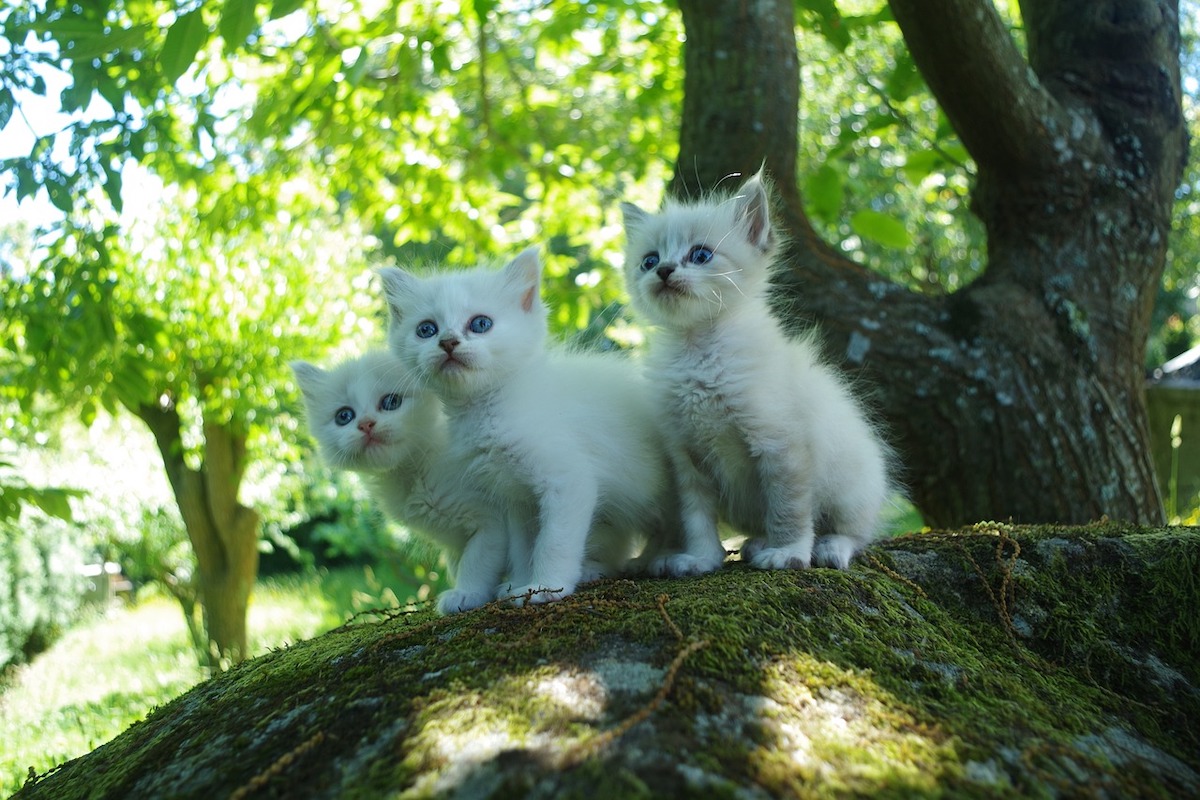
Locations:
992 661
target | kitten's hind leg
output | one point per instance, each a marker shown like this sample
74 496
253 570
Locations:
855 522
835 551
703 551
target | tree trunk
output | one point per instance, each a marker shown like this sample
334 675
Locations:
223 532
1020 396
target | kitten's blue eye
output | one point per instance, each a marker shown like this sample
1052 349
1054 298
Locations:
480 324
389 402
344 415
427 330
700 255
649 261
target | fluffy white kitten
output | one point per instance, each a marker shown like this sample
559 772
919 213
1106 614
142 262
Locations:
368 418
569 443
766 434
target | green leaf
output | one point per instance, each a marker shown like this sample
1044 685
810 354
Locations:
237 23
27 184
183 42
281 8
123 39
53 502
827 19
112 187
355 74
880 228
920 164
60 194
7 106
904 79
825 192
88 413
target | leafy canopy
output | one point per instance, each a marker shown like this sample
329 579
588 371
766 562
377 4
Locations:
168 311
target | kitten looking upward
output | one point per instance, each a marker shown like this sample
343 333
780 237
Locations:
765 433
367 417
569 443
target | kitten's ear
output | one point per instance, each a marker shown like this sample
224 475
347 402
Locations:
754 212
308 376
398 289
632 215
525 272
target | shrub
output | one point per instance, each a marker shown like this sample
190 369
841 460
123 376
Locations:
41 588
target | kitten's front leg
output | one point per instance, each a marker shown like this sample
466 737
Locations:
566 507
702 548
479 569
522 525
787 490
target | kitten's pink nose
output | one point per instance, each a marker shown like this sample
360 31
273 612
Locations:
448 344
366 425
664 271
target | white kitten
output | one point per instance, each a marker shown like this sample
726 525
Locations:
766 434
368 418
570 443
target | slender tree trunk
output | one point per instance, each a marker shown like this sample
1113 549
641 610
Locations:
223 532
1019 396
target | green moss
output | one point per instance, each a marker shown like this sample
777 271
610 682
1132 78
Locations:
998 660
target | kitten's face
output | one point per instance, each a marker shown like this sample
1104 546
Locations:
364 413
462 332
691 262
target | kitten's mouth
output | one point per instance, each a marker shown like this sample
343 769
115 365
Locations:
374 441
668 291
451 365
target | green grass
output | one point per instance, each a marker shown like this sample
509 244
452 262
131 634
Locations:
115 667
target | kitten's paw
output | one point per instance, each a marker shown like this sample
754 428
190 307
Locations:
592 571
835 551
751 547
535 594
777 558
453 601
678 565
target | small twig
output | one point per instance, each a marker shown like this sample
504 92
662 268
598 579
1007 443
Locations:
661 600
591 746
282 763
891 573
1005 596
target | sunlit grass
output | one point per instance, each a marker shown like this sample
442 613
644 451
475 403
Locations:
114 668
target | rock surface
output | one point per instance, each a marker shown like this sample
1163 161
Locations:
992 661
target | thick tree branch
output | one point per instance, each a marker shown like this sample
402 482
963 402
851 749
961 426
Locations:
225 452
188 485
983 83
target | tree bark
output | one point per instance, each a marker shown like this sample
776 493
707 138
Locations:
223 532
1020 396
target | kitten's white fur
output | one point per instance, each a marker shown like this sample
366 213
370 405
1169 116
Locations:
766 433
570 443
401 454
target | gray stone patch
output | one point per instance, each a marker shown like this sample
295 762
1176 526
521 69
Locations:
1048 548
628 677
1120 747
